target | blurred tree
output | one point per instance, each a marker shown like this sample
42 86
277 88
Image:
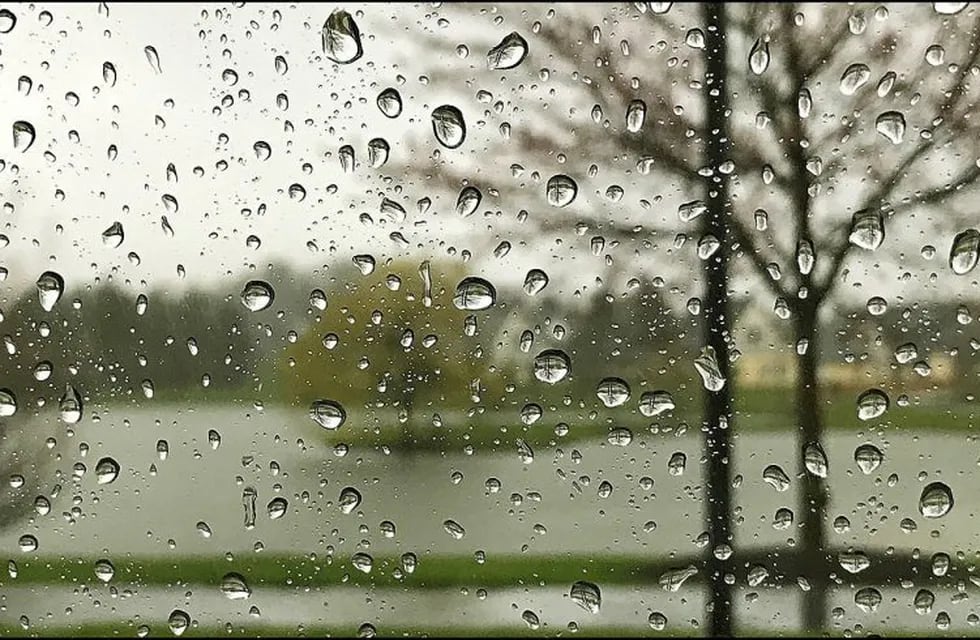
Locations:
838 111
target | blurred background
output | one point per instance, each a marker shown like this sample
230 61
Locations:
617 319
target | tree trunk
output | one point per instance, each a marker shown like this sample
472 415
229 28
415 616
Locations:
717 405
814 497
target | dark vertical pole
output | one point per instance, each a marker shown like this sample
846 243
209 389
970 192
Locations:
718 404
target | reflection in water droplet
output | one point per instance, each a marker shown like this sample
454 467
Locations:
776 477
113 236
277 508
70 405
178 622
8 20
328 414
706 364
454 529
362 562
867 229
448 126
949 8
234 587
257 295
468 201
153 58
551 366
872 404
636 113
854 77
474 294
390 102
561 190
891 124
936 500
341 38
27 543
586 595
674 579
964 252
350 499
509 53
868 458
535 282
50 286
24 135
759 57
106 470
8 403
654 403
867 599
104 570
613 392
815 460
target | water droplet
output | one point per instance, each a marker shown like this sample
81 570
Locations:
362 562
262 150
27 543
109 73
454 529
257 295
106 470
620 437
613 392
776 477
706 364
328 414
923 601
886 83
674 579
277 508
341 38
448 126
872 404
551 366
657 621
468 200
70 405
8 403
855 77
867 229
153 58
677 463
7 20
868 458
891 124
113 236
964 252
867 599
234 587
318 299
936 500
104 570
759 57
815 460
178 621
877 305
50 286
24 135
474 294
409 562
654 403
535 281
942 8
203 528
561 190
935 55
509 53
378 151
390 102
141 304
586 595
804 103
636 114
350 499
691 210
531 619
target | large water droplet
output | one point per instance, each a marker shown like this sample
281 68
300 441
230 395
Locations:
350 499
872 404
363 562
815 460
936 500
153 58
178 622
691 210
855 77
106 470
257 295
328 414
949 8
378 151
8 20
454 529
613 392
759 57
551 366
706 364
891 124
8 403
535 282
104 570
114 235
867 599
867 229
561 190
653 403
673 579
776 477
50 286
964 252
341 38
390 102
474 294
636 114
468 201
448 126
24 135
234 587
277 508
27 543
509 53
70 405
868 458
586 595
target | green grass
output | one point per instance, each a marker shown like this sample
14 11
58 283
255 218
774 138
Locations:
298 571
